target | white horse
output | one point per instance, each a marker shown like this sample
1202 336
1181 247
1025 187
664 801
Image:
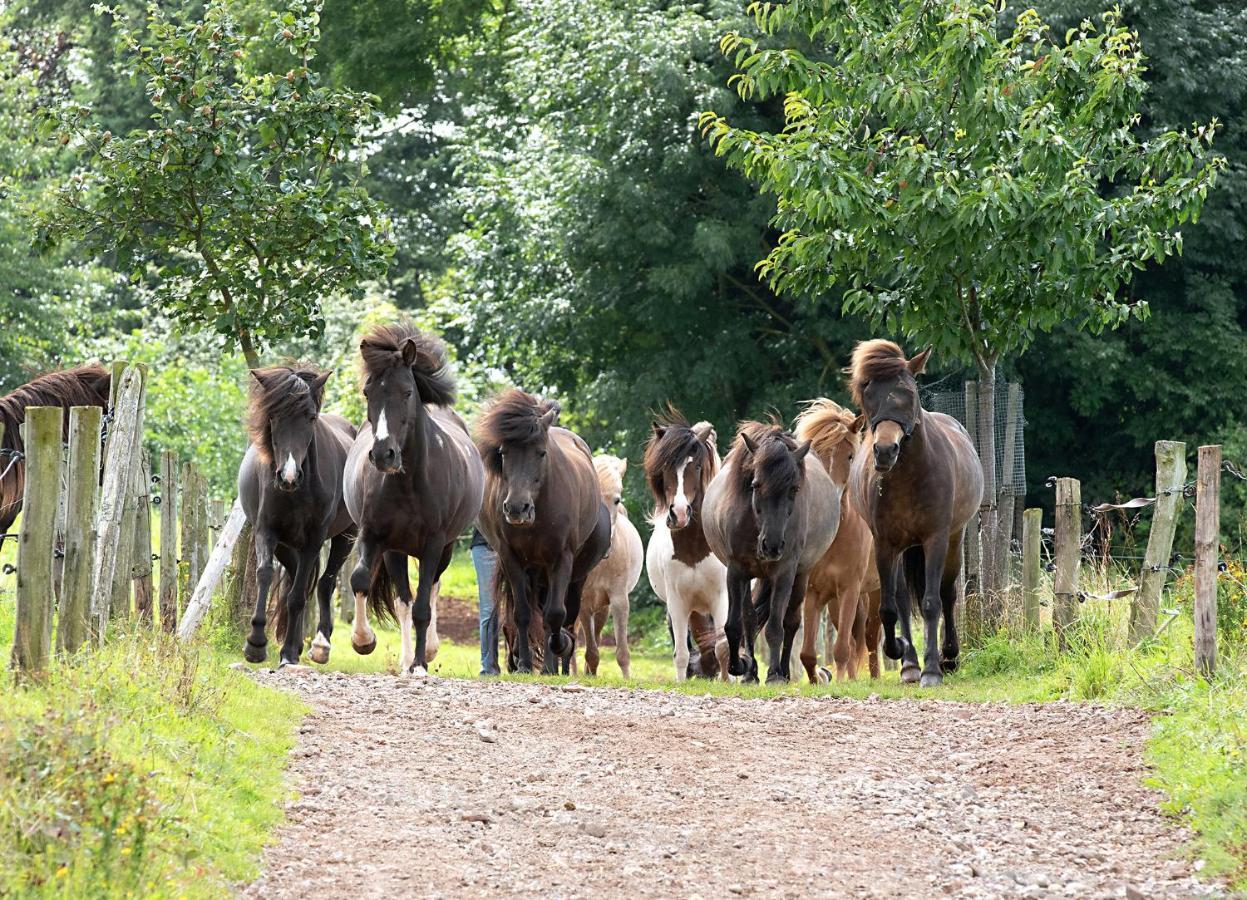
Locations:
611 581
680 461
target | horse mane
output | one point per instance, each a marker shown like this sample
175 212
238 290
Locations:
873 360
826 425
607 469
380 349
513 417
771 466
275 397
81 386
678 442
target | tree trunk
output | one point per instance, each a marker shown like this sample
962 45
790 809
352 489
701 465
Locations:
989 524
248 349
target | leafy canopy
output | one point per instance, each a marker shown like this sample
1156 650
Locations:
959 186
242 196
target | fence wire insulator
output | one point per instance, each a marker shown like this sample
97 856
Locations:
58 553
9 569
155 557
156 500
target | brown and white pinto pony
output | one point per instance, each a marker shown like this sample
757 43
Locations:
916 482
680 462
844 581
82 386
612 580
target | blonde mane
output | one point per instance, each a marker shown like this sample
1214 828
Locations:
825 424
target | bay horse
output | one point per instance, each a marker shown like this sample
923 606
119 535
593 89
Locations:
844 581
290 487
680 462
82 386
917 482
612 580
770 514
413 484
543 514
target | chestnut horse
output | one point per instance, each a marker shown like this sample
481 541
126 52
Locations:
770 514
611 581
543 515
680 462
844 581
83 386
917 482
290 486
413 483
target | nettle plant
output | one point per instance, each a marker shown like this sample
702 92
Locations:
243 198
960 184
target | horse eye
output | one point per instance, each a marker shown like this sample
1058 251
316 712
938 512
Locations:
618 500
542 454
406 395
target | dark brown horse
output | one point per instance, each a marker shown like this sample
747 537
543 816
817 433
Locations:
413 483
83 386
290 485
770 514
917 482
544 516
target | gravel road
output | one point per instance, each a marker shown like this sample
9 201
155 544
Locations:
447 788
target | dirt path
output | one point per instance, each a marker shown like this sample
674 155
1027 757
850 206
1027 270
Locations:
460 788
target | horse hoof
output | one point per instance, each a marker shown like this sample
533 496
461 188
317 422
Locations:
909 674
948 665
824 675
319 651
930 679
776 678
364 649
253 654
736 667
297 667
419 672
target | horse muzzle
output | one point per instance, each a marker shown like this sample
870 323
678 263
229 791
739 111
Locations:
386 460
768 552
519 515
675 522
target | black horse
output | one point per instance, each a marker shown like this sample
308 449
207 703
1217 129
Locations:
413 482
290 484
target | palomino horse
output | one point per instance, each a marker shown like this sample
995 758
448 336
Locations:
544 516
770 514
680 462
83 386
414 482
612 580
290 485
844 580
917 482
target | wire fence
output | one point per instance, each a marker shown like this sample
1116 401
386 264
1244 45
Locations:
1009 428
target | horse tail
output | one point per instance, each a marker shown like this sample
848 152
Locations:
281 588
504 598
381 591
913 562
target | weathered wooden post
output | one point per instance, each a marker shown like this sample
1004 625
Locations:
1008 487
1068 541
203 524
201 599
123 574
1032 535
36 594
118 476
1170 479
168 541
74 621
241 573
142 568
1207 556
216 519
190 528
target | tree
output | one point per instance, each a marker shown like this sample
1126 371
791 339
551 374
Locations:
243 198
964 188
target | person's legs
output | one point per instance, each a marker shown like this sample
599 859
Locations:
485 561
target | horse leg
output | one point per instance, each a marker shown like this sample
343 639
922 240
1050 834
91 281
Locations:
718 606
255 649
890 609
858 657
846 659
738 597
910 586
363 639
679 640
575 592
432 561
809 655
299 569
521 653
339 550
589 629
934 552
871 599
792 620
554 612
951 647
619 615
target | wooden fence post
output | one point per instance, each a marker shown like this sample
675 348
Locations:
1007 493
241 574
1207 556
216 519
168 541
1068 540
36 595
118 476
142 568
201 599
123 571
74 620
1170 479
190 529
1032 536
973 612
203 525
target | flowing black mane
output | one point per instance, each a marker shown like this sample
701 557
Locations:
280 392
770 469
381 349
672 442
513 418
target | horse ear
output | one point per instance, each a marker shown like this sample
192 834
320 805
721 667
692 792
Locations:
659 430
799 453
918 364
260 376
409 350
858 424
706 434
622 466
750 444
549 418
317 385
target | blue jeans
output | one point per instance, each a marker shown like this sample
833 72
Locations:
486 561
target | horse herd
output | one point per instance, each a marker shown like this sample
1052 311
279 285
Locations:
858 513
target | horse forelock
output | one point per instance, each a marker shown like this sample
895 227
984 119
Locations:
874 360
380 350
771 469
607 469
278 392
513 418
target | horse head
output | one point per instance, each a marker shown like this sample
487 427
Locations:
835 435
514 438
680 462
610 471
885 388
285 404
774 463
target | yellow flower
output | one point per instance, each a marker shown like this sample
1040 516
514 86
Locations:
109 778
125 851
62 871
